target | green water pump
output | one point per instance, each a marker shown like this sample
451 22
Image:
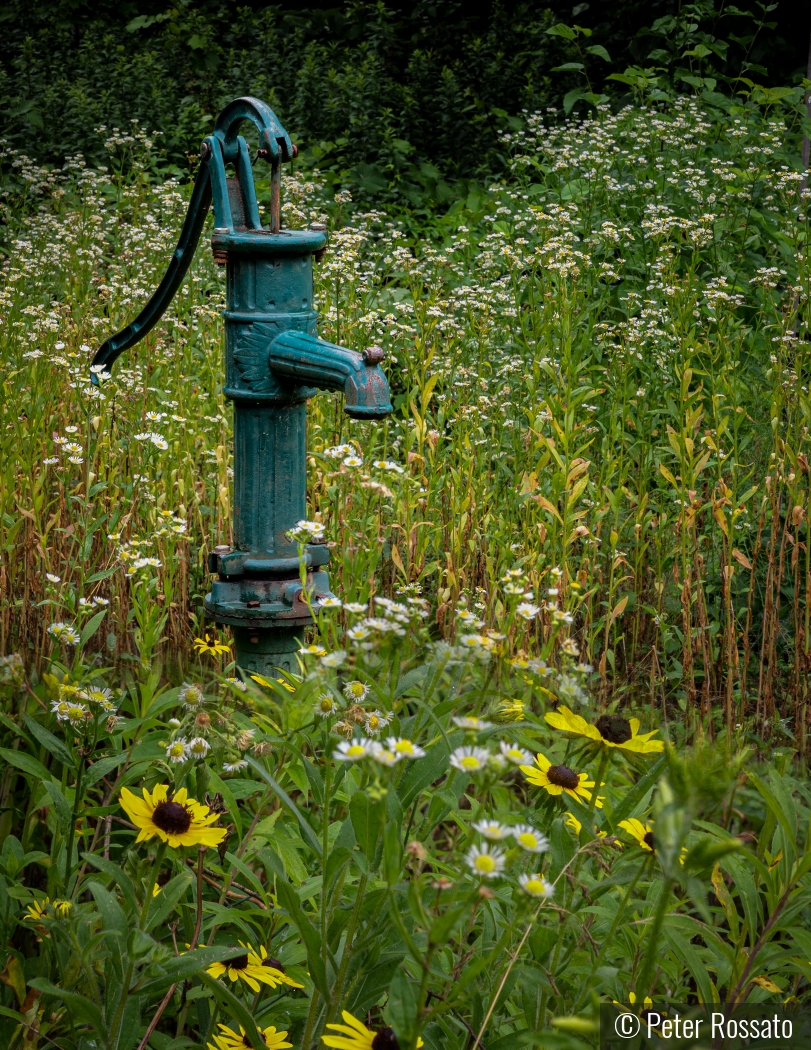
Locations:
274 362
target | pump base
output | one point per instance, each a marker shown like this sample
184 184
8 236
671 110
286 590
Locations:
267 651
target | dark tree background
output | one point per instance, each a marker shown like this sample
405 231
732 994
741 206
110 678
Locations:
379 93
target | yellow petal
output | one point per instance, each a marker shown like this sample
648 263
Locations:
542 762
180 796
569 722
640 746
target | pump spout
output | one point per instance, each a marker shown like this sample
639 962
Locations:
328 366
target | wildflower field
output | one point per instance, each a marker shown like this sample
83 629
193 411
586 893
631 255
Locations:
548 749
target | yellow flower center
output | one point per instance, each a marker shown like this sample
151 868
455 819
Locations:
485 864
404 747
356 751
528 840
534 886
470 762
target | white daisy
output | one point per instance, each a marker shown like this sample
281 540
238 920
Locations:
529 839
405 747
492 830
471 722
486 861
537 886
470 759
177 751
354 750
519 756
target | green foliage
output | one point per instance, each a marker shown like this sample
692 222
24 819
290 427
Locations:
403 105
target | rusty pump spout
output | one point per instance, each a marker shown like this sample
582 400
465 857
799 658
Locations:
274 362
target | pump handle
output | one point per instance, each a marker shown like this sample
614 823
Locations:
275 147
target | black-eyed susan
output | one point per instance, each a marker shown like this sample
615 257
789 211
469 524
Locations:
229 1040
254 968
559 779
38 910
179 820
607 731
643 833
211 646
356 1036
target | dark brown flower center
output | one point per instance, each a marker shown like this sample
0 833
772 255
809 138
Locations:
385 1040
172 818
648 840
563 777
270 961
240 963
614 728
164 877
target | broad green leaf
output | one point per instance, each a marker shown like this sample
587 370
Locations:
401 1007
166 902
117 875
367 820
26 763
288 899
91 627
80 1004
561 30
50 742
93 774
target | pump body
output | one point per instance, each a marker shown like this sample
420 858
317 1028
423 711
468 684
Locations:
274 362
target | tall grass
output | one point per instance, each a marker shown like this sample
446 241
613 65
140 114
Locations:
600 376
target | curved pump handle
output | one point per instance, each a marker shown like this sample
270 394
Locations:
223 146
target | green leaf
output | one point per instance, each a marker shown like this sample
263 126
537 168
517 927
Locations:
64 813
567 66
101 768
422 772
443 927
392 853
570 98
632 798
117 876
367 820
164 904
103 575
308 833
25 763
402 1007
236 1009
288 898
218 784
599 51
91 627
50 742
561 30
80 1004
114 923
